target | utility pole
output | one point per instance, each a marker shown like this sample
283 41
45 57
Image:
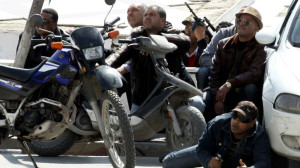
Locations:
25 42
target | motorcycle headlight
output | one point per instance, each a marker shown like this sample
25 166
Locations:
288 103
93 53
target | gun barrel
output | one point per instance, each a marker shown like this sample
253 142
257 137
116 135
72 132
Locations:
191 10
209 24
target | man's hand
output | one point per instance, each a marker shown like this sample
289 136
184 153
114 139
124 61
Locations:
222 92
122 70
215 162
70 31
219 108
243 165
200 32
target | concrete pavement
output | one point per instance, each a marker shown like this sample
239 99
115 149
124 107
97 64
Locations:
16 160
23 161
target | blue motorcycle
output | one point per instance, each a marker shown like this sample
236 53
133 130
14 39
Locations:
71 90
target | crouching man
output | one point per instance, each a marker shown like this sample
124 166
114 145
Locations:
230 140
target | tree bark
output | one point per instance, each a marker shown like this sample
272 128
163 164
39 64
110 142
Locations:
25 42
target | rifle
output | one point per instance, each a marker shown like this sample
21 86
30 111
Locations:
199 21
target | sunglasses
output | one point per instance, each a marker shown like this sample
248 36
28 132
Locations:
242 118
246 22
45 22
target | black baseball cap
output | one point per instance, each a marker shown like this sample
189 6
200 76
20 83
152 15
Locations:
247 109
186 21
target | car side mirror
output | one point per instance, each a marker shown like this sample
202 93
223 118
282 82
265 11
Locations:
36 20
266 38
110 2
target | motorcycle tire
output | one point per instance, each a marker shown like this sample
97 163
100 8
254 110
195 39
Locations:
192 124
117 126
54 147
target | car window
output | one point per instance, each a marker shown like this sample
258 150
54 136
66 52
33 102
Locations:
294 34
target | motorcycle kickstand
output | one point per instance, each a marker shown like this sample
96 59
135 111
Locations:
25 146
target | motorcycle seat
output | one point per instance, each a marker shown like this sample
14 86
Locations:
19 74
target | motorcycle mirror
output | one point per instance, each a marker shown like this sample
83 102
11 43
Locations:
36 20
110 2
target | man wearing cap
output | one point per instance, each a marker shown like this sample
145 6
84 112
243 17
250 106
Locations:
237 67
231 140
198 42
209 52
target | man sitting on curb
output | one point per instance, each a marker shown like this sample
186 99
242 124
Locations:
230 140
237 67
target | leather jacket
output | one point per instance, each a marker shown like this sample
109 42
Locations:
34 56
210 50
143 76
249 70
254 147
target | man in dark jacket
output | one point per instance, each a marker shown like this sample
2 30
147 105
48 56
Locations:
230 140
50 17
135 15
143 76
238 66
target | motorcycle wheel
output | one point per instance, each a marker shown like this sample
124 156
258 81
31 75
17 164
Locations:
54 147
118 129
192 124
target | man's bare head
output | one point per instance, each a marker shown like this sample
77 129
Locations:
135 14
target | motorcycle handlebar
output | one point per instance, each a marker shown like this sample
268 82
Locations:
125 41
114 21
47 41
38 41
108 25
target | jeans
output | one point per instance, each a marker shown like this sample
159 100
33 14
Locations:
185 158
126 88
134 107
198 103
202 77
248 92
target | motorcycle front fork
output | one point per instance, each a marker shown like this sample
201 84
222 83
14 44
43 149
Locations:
92 98
175 122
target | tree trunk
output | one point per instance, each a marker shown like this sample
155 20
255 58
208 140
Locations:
25 42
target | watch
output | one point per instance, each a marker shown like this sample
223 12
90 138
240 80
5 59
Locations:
228 85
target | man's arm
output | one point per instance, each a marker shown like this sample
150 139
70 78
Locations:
255 72
216 71
180 40
201 43
206 144
120 56
113 56
201 46
210 50
261 152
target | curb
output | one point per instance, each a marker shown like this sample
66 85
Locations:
152 148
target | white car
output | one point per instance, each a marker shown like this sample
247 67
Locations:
281 90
